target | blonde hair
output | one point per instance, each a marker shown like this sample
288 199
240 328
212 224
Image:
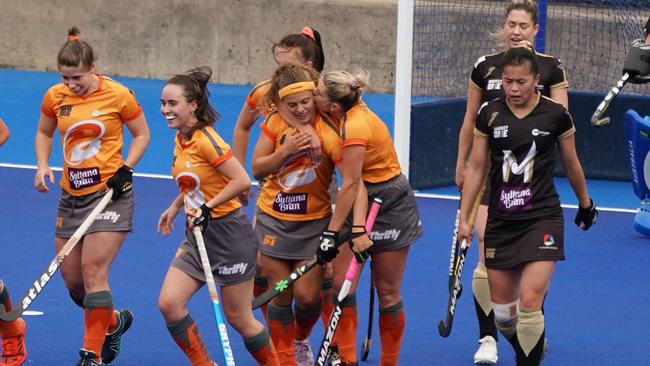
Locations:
345 88
283 76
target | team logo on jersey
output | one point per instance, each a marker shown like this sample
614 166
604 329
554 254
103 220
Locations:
489 72
190 185
536 132
65 110
296 172
549 239
82 141
500 132
492 118
494 84
510 164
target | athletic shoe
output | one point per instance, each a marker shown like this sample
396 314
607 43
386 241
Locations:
88 358
13 348
112 342
487 351
304 354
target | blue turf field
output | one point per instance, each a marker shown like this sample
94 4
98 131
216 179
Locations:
594 312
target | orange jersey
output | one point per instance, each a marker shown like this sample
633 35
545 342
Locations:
255 97
195 173
299 190
360 126
91 132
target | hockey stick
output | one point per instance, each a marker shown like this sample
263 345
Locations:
365 349
444 327
454 250
212 288
351 273
596 119
49 272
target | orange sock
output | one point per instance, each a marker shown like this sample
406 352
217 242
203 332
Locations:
12 328
97 315
187 336
262 349
260 286
326 300
346 332
391 330
306 318
283 331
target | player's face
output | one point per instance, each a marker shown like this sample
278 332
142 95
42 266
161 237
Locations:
299 106
79 79
288 56
178 112
323 102
519 83
518 28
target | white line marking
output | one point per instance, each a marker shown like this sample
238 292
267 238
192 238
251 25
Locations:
33 313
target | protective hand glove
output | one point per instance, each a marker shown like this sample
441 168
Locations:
121 181
204 218
587 216
327 249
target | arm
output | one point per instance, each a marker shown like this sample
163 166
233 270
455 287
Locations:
43 149
561 95
4 132
350 168
573 170
267 160
474 97
140 132
473 181
241 134
306 128
166 220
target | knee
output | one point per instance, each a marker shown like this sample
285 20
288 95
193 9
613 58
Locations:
171 309
243 322
531 301
309 299
388 295
91 271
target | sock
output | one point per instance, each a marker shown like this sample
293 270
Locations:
97 315
5 299
12 328
306 318
346 332
326 300
260 286
482 303
283 331
187 336
530 338
262 349
391 331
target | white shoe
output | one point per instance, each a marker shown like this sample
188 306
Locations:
487 351
304 355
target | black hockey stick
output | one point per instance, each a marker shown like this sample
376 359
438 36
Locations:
365 349
597 120
51 269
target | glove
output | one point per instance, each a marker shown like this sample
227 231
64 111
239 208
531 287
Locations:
585 217
121 181
327 249
204 218
360 240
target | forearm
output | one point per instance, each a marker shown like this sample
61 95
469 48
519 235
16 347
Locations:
465 142
233 189
471 188
136 150
240 138
178 201
43 149
263 166
360 206
576 177
345 200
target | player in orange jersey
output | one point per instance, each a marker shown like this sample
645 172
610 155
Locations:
4 132
209 180
369 160
90 111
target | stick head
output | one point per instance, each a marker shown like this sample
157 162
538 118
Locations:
443 330
598 122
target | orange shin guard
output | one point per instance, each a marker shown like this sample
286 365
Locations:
391 331
187 336
98 309
262 349
283 332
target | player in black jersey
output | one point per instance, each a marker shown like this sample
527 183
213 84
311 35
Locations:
519 29
524 232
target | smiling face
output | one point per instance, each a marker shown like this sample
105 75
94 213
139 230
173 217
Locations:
519 83
519 27
300 105
79 79
178 112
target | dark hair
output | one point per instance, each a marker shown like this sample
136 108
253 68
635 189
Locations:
518 56
310 49
529 6
195 88
75 52
286 75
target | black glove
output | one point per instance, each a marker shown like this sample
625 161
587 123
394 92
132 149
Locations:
204 218
121 181
327 249
360 256
585 217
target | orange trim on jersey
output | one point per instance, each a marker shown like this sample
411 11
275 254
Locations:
134 116
355 141
267 131
47 112
250 102
222 159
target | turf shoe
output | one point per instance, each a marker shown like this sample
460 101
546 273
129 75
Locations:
13 348
113 340
487 351
88 358
304 354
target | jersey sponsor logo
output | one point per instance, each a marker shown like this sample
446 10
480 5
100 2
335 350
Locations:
97 113
515 198
494 84
190 185
83 177
111 216
65 110
536 132
549 243
539 87
510 164
82 141
291 203
239 268
500 132
390 234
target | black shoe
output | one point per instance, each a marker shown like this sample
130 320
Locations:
88 358
112 342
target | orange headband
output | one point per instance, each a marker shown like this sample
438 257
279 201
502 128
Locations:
296 88
309 33
72 38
